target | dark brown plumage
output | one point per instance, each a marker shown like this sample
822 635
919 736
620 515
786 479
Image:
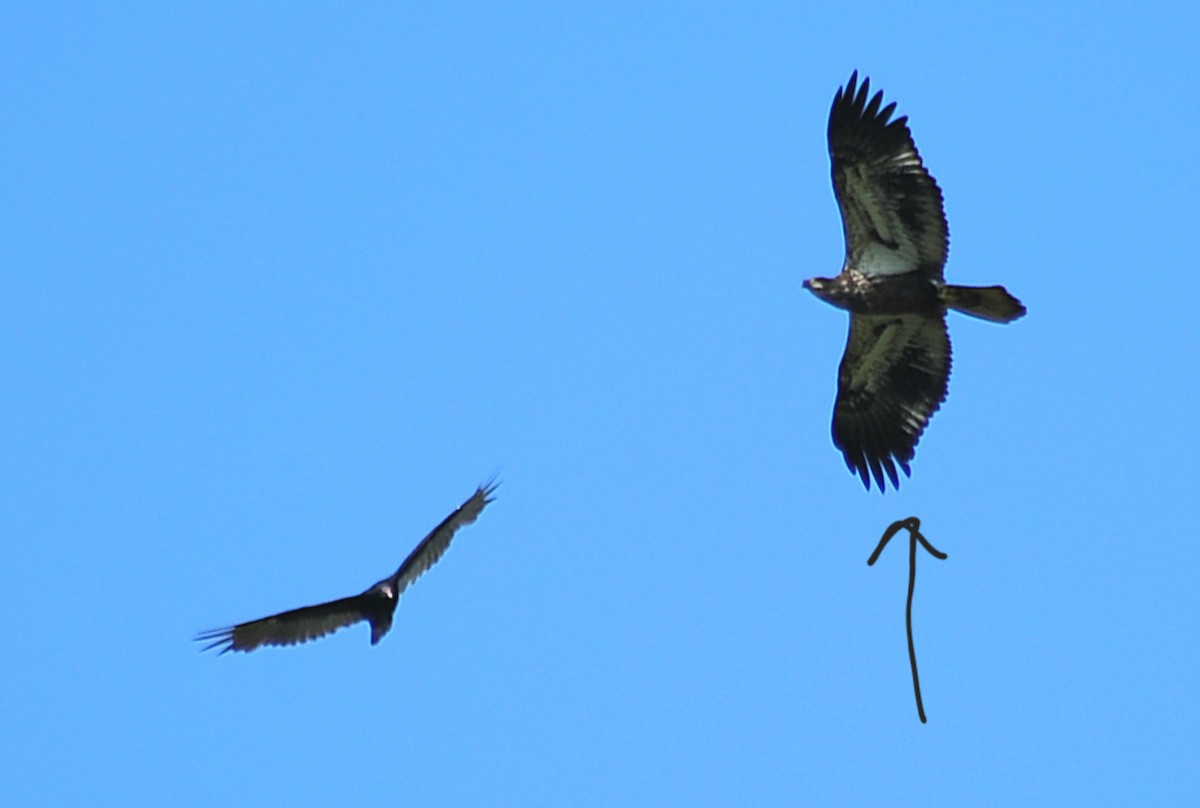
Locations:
376 605
896 367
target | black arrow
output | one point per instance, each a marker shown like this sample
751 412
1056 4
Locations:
913 525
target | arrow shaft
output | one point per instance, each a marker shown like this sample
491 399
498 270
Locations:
912 650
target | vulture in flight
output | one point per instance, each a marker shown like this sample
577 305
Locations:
896 366
376 605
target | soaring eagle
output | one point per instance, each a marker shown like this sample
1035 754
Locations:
376 605
896 366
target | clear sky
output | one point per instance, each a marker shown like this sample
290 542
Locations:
283 284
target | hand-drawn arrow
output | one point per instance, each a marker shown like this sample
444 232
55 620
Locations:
913 525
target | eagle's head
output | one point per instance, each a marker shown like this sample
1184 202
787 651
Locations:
821 287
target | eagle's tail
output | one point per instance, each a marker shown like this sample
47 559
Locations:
987 302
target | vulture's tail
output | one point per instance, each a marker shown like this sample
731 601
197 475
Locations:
987 302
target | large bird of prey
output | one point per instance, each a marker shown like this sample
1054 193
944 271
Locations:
376 605
896 367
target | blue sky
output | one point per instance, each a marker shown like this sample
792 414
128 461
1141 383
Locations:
283 284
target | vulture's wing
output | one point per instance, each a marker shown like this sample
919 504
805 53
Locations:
431 548
892 379
288 628
891 208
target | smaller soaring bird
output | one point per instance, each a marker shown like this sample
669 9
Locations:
896 367
376 605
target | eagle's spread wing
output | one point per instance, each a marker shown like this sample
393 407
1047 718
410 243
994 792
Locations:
892 379
891 208
288 628
431 548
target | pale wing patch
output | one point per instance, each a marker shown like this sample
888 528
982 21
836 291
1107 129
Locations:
874 346
878 241
879 259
